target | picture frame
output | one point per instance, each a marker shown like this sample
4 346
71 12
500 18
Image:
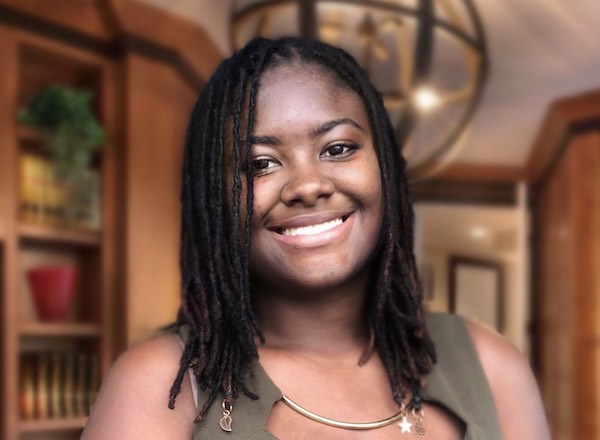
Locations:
427 280
476 290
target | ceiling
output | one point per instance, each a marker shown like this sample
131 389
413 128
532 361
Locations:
540 51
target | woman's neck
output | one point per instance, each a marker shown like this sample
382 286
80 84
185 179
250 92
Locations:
325 323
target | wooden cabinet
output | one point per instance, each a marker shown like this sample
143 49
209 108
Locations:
30 63
567 228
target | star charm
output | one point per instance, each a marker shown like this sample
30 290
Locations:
405 425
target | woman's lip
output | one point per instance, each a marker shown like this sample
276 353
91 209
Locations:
309 220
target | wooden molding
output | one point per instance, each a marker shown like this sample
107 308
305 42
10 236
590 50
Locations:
477 193
152 28
473 172
564 118
111 27
81 16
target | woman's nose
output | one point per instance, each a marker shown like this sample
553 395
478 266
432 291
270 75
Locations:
306 185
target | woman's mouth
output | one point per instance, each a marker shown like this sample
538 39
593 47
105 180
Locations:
312 229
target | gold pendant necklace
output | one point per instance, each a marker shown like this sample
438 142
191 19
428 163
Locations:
404 425
346 425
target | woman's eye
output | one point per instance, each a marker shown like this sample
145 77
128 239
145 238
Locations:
261 164
339 150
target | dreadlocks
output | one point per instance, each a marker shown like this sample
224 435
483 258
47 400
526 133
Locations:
214 263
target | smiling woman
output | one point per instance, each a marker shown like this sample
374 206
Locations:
301 312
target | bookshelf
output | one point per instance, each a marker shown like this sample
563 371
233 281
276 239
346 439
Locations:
42 426
45 234
31 63
53 330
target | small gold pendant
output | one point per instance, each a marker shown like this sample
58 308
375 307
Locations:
419 426
225 422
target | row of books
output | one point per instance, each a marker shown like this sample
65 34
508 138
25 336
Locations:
46 200
55 385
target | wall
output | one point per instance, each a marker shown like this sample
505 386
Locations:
158 109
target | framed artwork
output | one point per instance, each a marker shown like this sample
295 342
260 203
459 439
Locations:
476 290
427 278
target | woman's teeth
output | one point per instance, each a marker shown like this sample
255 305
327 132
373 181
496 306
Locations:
313 229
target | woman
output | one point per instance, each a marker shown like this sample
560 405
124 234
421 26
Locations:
296 251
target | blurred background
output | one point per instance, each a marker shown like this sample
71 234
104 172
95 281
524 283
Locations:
497 104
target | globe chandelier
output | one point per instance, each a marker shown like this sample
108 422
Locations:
428 58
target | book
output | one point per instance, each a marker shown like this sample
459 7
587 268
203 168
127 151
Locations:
69 386
41 386
27 388
94 383
56 394
26 188
81 385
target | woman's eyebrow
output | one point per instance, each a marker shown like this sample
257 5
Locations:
318 131
263 140
329 125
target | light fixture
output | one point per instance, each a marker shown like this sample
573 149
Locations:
426 99
478 233
428 58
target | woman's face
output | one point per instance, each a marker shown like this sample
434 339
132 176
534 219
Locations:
317 187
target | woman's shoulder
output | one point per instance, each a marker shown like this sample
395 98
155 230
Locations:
133 400
513 385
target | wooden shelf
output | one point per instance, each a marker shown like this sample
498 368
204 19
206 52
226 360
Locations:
44 329
29 426
29 135
59 236
32 62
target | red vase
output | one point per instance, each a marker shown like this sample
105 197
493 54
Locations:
52 289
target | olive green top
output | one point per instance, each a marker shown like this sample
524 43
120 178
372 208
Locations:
457 382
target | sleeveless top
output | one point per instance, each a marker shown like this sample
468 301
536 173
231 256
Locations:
457 382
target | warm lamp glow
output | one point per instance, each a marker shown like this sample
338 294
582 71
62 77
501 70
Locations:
426 99
478 233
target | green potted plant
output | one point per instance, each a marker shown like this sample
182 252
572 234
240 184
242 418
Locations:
71 135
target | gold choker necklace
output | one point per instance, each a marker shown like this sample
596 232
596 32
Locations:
405 425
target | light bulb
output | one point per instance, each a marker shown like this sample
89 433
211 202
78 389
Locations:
426 99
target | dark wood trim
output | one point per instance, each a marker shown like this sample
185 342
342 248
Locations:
456 260
572 130
56 31
119 27
477 193
151 30
79 16
472 172
564 119
163 54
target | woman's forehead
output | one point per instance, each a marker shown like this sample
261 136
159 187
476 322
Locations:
294 78
313 72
